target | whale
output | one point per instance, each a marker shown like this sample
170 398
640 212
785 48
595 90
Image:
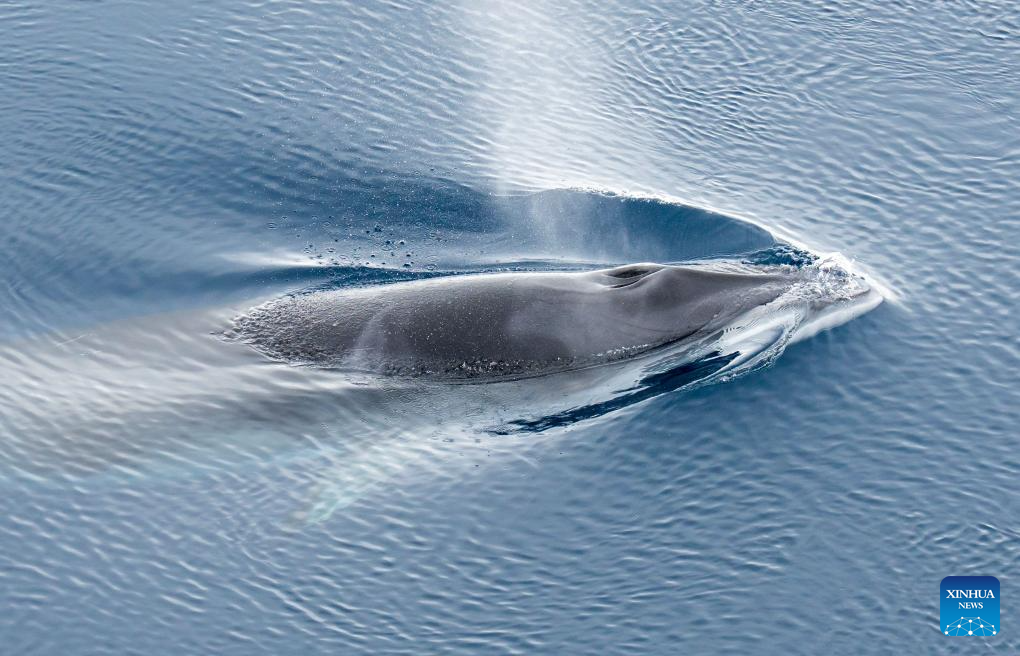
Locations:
512 324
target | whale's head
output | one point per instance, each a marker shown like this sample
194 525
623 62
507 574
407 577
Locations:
690 298
683 299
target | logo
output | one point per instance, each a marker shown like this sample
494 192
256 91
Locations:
969 606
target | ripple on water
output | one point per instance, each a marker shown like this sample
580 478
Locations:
162 489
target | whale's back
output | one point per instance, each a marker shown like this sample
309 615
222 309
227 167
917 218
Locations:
499 325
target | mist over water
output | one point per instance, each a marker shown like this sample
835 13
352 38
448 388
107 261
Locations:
170 166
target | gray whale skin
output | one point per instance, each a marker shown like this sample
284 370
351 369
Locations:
505 324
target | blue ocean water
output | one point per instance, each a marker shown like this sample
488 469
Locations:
167 165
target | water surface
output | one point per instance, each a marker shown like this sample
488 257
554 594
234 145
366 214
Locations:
166 166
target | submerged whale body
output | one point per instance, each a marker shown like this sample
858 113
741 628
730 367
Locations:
509 324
